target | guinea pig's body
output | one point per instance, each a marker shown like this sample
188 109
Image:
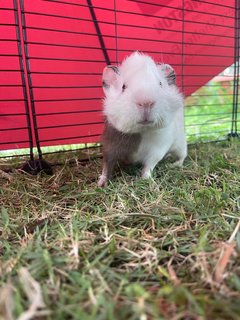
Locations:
144 115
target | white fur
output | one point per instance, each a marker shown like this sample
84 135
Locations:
164 133
159 142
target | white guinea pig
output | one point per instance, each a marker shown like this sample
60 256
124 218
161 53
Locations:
144 115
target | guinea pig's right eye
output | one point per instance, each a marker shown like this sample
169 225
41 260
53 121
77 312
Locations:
124 87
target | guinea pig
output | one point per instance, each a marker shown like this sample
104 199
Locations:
144 115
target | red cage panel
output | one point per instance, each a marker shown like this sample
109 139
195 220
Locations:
52 54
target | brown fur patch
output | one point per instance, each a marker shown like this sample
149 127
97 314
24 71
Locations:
118 147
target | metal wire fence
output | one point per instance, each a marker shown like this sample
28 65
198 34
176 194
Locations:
52 54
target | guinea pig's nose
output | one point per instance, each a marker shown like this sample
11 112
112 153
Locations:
146 104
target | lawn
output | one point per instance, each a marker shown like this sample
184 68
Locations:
167 248
208 112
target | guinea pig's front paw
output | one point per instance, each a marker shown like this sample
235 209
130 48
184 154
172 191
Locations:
102 181
146 173
176 164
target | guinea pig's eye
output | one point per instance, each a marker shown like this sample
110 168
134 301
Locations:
160 83
123 87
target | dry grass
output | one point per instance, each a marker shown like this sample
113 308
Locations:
139 249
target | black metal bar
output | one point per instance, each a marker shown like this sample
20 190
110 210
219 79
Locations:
9 40
129 26
70 99
100 37
214 3
68 73
138 39
72 138
234 126
12 114
183 44
200 105
78 146
207 133
15 142
66 87
32 166
30 80
210 105
67 112
30 135
11 86
67 60
5 100
237 39
124 50
8 24
171 7
207 114
116 31
99 111
13 129
97 74
98 87
210 122
69 125
140 14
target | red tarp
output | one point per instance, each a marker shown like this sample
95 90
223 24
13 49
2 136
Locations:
66 60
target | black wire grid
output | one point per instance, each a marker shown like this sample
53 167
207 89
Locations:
83 103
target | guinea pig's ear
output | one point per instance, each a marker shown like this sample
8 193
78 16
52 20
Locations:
109 76
168 72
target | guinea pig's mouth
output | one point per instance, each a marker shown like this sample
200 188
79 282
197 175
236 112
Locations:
145 122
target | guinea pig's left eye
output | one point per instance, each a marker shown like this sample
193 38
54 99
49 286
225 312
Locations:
124 87
160 83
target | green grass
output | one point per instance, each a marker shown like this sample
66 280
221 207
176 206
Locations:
138 249
208 112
